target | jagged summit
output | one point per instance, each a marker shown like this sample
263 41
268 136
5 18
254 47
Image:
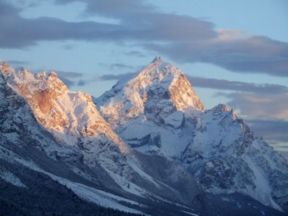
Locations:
169 80
158 69
67 115
157 59
157 91
5 68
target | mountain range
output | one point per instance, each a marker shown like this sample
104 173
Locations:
148 146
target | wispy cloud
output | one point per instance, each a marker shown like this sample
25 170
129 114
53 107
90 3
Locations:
114 8
271 129
135 53
121 66
19 32
261 106
220 84
117 77
16 63
257 54
69 74
188 39
70 78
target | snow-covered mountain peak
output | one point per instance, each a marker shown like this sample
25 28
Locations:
5 69
223 109
157 91
68 115
40 82
157 71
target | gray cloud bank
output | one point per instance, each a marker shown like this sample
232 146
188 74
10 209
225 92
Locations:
275 132
183 38
267 106
271 129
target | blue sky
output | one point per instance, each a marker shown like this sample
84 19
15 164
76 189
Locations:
234 52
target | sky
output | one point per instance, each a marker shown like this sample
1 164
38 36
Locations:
234 52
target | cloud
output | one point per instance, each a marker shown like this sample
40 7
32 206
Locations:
270 129
135 53
273 131
6 9
113 8
81 83
188 39
68 82
144 22
220 84
69 74
70 78
76 79
256 54
182 38
117 66
19 32
16 63
25 3
117 77
260 106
